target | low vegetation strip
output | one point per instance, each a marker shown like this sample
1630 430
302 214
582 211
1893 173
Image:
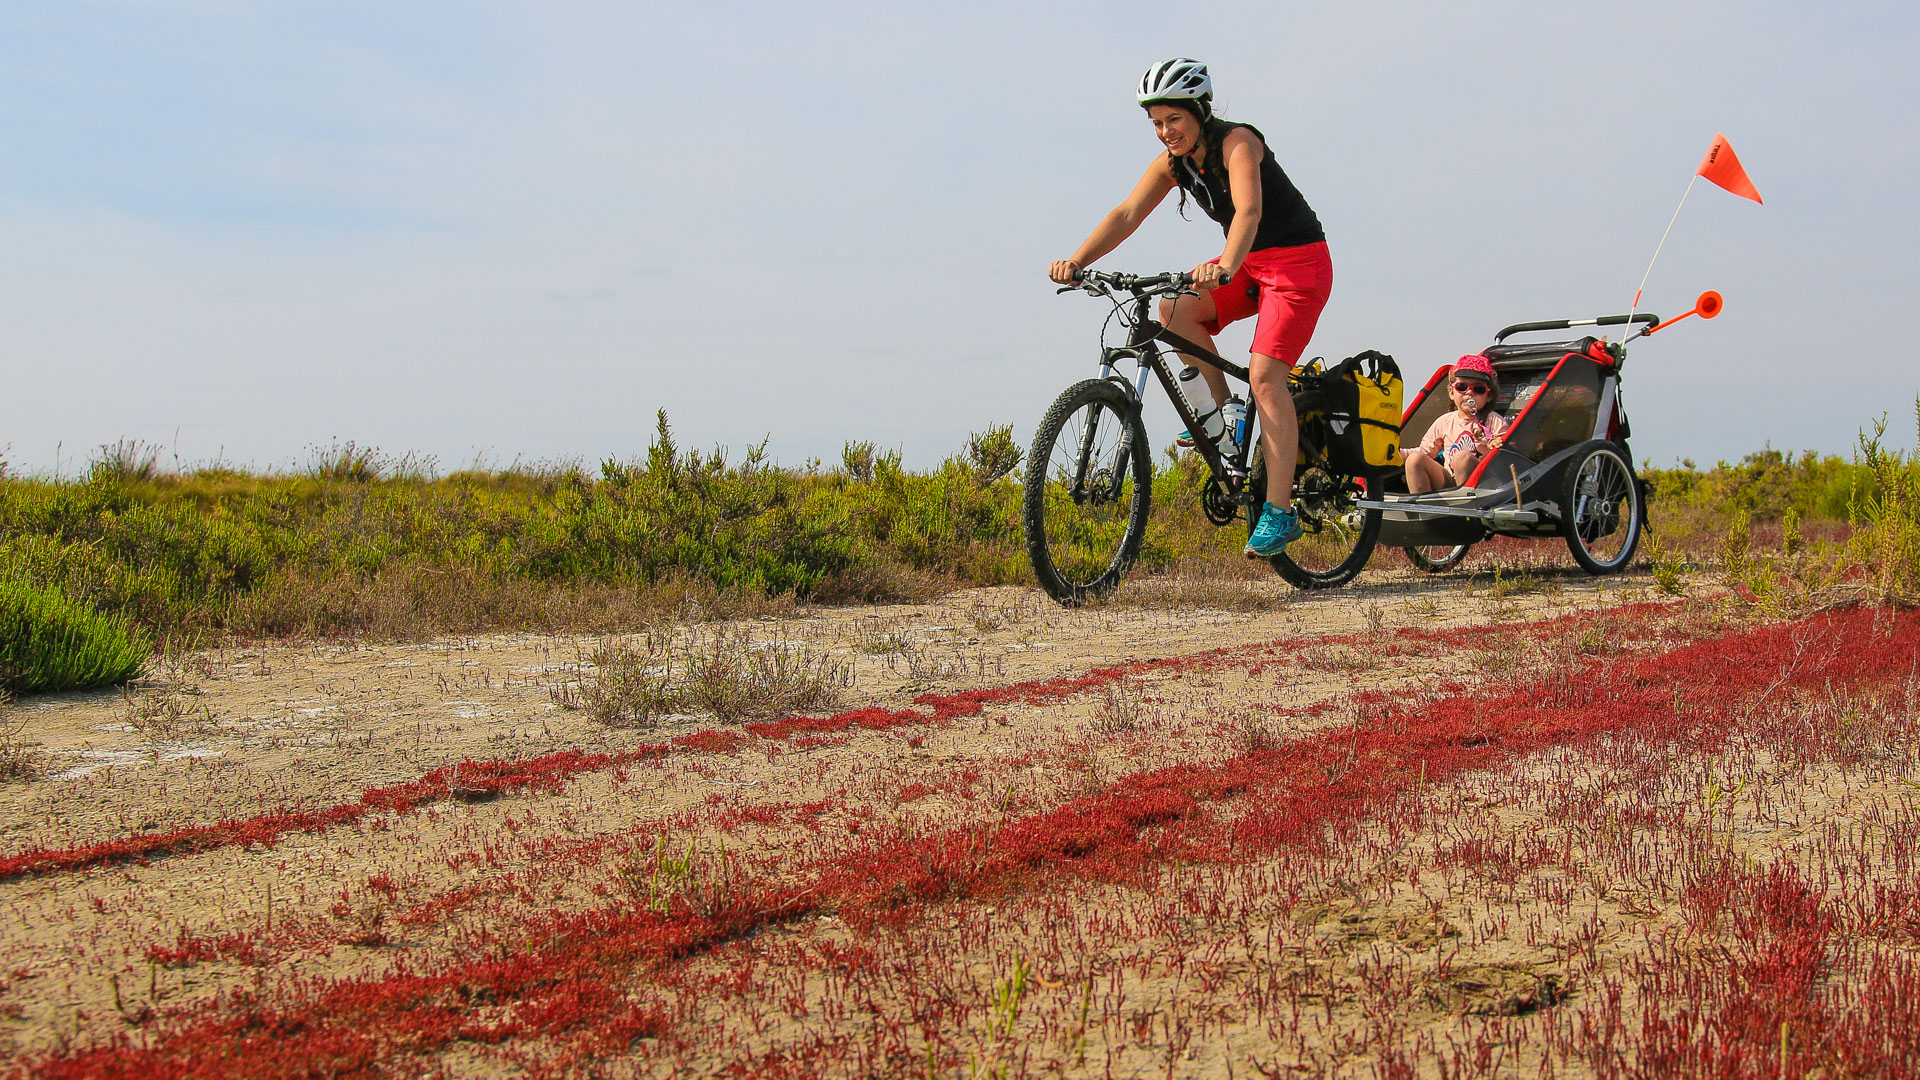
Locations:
355 543
568 984
358 544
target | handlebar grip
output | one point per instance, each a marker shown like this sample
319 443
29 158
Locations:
1186 278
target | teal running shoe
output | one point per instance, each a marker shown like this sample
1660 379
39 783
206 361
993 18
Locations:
1276 529
1184 440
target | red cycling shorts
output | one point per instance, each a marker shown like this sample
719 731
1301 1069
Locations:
1287 287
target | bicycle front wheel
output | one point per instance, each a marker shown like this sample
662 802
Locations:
1089 485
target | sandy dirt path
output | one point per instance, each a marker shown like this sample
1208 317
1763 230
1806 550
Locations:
243 732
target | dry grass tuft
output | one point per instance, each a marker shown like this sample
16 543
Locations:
1122 707
625 689
18 762
883 582
1253 733
1519 584
706 883
726 674
1336 659
1215 581
166 714
734 677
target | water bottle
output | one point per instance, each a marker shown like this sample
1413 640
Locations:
1200 399
1234 424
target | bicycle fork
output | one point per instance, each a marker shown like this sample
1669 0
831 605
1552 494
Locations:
1122 455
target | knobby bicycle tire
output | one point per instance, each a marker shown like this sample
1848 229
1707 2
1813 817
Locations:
1348 537
1088 491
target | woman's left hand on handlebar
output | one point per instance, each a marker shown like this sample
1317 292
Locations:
1209 275
1062 271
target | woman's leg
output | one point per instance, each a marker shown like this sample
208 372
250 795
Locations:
1279 427
1424 474
1186 316
1294 286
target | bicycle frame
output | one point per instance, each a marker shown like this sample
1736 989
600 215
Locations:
1144 348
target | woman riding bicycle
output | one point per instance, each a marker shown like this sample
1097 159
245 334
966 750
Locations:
1276 257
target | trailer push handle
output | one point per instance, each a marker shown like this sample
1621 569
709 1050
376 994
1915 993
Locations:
1568 324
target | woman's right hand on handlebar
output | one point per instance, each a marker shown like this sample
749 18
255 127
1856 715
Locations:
1209 276
1062 271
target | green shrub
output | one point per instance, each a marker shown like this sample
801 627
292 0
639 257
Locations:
1766 484
48 642
1871 557
1885 544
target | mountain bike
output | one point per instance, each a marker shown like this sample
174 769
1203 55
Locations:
1089 477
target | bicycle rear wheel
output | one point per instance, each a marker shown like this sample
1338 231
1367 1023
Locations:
1089 486
1337 537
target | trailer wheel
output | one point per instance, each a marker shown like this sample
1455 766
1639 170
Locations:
1602 511
1436 558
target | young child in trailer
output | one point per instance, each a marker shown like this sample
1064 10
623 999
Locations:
1456 443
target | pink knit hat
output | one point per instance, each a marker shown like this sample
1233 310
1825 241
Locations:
1475 364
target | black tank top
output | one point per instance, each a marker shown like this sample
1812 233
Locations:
1285 218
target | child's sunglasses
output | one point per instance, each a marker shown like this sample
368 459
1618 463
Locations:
1472 388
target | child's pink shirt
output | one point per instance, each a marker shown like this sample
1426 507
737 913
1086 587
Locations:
1454 432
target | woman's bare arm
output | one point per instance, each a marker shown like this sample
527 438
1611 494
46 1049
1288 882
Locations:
1243 152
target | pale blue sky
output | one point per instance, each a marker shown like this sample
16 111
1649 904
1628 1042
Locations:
517 230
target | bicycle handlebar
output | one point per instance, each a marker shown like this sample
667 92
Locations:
1139 283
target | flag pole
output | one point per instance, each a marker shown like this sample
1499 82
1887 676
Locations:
1658 247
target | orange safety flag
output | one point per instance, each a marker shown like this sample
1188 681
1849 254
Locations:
1723 168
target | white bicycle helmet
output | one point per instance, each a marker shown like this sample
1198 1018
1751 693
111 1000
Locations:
1179 79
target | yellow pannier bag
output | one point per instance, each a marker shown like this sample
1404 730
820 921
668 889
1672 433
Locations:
1359 402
